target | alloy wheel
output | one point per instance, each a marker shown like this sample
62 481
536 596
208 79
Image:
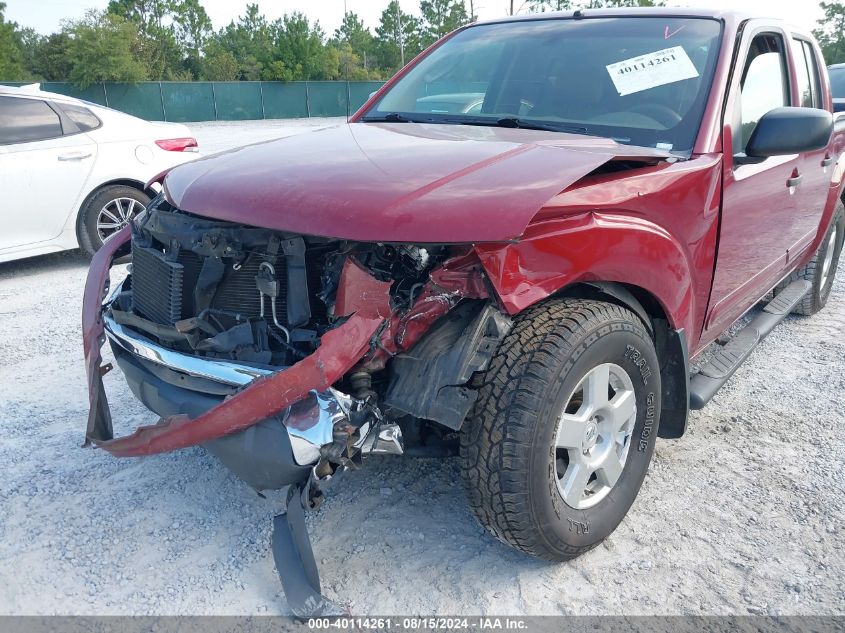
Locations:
594 434
116 214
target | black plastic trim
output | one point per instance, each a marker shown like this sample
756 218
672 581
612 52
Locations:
675 381
715 373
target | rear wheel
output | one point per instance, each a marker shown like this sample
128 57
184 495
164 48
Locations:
821 270
559 441
108 211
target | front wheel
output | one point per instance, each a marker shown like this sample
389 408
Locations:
108 211
562 433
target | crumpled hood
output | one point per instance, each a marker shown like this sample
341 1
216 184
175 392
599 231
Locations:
394 182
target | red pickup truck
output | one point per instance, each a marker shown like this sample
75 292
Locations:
513 252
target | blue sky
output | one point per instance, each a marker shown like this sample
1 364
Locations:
46 15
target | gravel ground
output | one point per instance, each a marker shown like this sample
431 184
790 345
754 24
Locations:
742 515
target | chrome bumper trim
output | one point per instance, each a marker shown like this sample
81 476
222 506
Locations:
309 423
222 371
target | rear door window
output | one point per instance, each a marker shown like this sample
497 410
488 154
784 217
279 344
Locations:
815 77
807 75
84 119
27 120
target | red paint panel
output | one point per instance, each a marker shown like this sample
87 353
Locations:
93 335
358 292
653 227
402 182
591 247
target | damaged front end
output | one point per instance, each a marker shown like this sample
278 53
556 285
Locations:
283 355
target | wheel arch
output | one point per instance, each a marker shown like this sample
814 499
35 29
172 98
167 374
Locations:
617 257
594 247
670 345
124 182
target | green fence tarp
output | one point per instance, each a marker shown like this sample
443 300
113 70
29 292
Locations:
95 93
141 100
223 100
238 101
285 100
185 101
360 91
327 98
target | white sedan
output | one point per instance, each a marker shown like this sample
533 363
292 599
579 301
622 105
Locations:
72 173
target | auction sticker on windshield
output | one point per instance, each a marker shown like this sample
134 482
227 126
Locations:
651 70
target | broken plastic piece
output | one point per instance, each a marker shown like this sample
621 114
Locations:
295 561
358 291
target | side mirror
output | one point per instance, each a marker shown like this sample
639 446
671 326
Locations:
785 131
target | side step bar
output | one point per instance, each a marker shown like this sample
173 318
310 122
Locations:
718 370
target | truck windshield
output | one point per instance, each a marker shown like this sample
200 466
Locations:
638 80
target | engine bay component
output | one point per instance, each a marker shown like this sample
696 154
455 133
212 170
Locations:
268 286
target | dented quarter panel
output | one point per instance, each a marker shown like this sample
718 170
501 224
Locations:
655 228
401 182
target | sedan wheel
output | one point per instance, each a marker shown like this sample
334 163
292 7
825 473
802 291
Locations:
107 212
116 214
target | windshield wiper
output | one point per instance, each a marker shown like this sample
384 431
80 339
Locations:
508 122
390 117
515 122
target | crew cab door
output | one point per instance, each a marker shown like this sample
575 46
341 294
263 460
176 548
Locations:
42 171
759 195
817 165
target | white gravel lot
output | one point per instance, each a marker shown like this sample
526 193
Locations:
742 515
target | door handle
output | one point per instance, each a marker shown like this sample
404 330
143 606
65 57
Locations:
795 180
75 156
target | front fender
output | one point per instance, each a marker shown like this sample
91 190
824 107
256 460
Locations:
593 246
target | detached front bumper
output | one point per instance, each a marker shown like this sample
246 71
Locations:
266 426
268 455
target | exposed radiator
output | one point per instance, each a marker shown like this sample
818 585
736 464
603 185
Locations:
163 291
157 286
236 292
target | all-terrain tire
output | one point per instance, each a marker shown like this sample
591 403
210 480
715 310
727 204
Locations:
821 270
90 238
508 443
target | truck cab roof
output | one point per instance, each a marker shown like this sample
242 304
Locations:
731 18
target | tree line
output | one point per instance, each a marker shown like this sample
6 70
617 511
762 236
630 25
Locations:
174 40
